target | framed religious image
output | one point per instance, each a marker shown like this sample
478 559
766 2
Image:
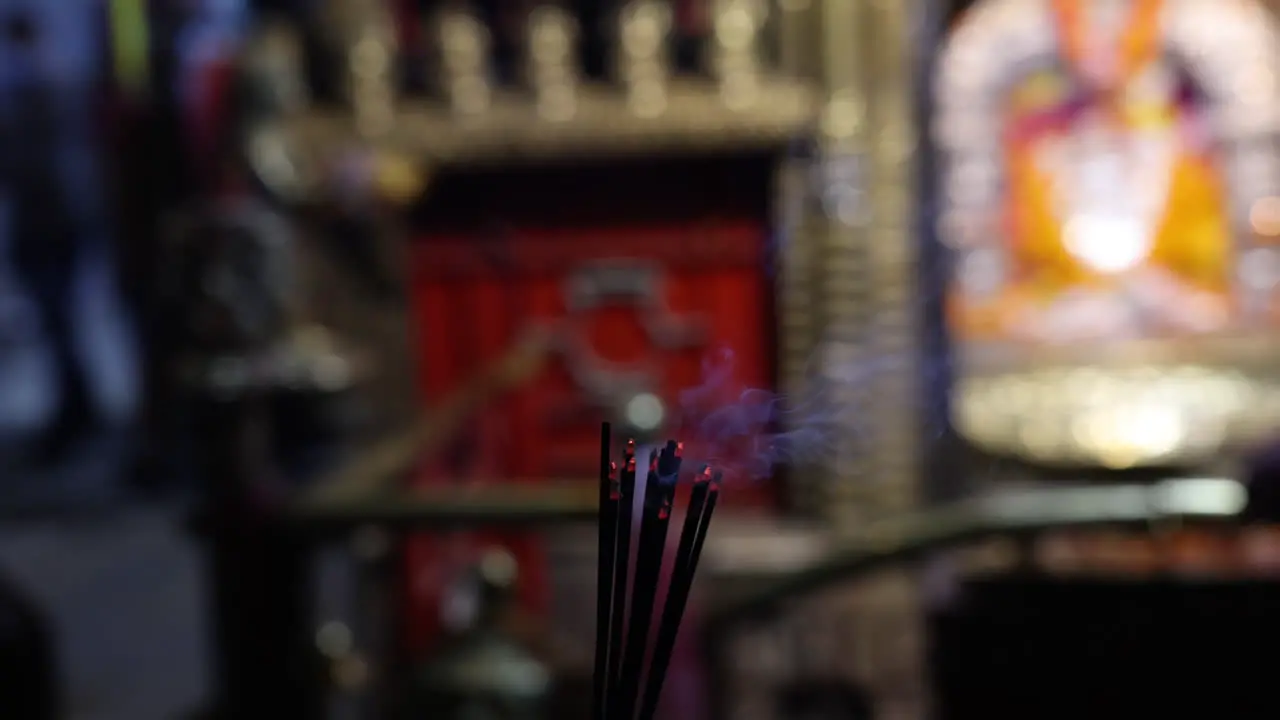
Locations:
1110 204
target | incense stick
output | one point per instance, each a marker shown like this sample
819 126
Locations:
702 503
621 565
607 544
659 492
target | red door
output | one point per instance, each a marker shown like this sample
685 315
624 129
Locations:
637 273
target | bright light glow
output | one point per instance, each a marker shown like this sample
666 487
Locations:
334 640
1205 496
1107 243
1127 436
645 412
1264 216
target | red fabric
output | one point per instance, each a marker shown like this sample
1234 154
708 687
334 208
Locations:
693 17
471 310
437 561
208 116
408 24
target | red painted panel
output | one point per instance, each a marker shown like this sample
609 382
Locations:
475 299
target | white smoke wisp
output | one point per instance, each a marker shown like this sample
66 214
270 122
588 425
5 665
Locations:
749 432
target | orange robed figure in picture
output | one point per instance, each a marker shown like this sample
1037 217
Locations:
1094 157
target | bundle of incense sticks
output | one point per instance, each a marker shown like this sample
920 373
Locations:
624 609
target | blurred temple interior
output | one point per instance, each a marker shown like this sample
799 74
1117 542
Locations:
311 312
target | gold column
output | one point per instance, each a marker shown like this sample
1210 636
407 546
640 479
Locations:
797 25
864 309
802 233
842 285
894 447
870 297
867 298
893 329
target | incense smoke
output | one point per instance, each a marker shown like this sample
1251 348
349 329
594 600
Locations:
749 432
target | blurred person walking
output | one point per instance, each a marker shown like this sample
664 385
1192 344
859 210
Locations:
57 240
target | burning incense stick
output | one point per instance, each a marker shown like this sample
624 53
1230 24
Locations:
664 468
621 565
702 503
619 667
610 497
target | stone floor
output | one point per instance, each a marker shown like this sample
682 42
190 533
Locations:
123 589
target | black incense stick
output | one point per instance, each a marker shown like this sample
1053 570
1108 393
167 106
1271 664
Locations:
659 493
607 544
621 564
702 503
